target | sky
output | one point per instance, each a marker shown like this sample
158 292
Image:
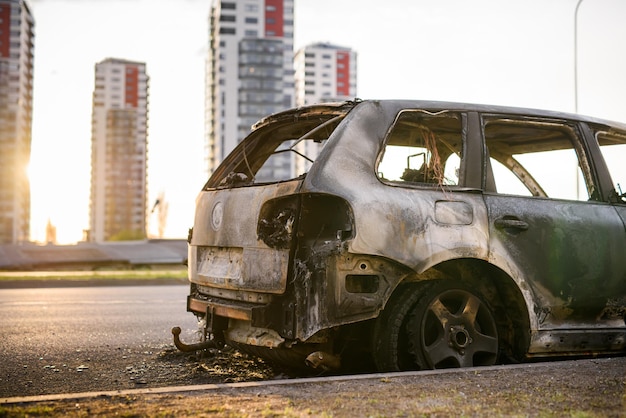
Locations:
504 52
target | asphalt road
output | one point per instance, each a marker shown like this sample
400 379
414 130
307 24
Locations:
75 339
117 339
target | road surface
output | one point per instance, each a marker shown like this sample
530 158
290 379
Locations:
68 339
109 339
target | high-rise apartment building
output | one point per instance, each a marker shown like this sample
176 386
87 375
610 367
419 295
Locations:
118 200
249 73
16 99
325 73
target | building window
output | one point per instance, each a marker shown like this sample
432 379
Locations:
227 31
252 20
227 18
229 6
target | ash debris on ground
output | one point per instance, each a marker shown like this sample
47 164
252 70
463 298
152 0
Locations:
226 365
129 368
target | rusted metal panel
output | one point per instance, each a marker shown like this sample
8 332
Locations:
229 217
246 269
225 250
395 222
242 332
225 310
559 341
572 265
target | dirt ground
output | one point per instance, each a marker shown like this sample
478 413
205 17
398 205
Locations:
575 388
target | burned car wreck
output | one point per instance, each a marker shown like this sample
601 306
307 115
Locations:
411 235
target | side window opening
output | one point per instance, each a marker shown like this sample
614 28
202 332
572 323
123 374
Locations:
613 148
423 148
538 158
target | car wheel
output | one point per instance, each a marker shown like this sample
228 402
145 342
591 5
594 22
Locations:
450 325
390 348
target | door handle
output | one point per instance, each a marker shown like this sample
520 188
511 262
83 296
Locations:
510 222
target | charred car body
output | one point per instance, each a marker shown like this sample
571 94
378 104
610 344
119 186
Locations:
415 235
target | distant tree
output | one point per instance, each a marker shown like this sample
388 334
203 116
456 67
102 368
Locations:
51 233
161 207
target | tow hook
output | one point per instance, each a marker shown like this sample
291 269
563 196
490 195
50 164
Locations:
324 361
193 347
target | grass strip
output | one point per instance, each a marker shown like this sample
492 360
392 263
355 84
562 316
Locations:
93 275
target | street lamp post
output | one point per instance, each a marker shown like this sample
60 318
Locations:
576 55
576 82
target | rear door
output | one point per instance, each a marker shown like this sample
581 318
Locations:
549 226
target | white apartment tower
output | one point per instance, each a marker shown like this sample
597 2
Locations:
325 73
249 72
119 140
16 99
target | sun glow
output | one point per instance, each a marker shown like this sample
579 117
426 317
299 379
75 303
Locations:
57 181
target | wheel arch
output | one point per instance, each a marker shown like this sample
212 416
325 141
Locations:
503 295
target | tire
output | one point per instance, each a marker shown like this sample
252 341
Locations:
451 325
390 344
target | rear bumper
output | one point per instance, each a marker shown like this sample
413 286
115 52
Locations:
238 322
203 307
257 315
